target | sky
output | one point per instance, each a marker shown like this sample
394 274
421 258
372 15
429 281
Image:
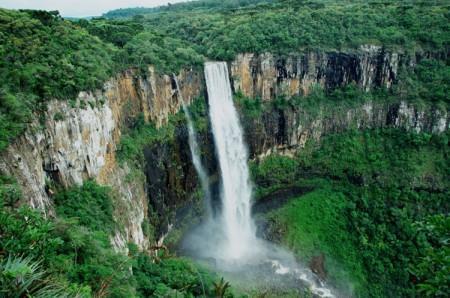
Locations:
81 8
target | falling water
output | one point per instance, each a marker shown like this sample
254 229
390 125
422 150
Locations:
195 152
236 189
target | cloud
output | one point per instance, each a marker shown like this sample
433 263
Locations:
81 8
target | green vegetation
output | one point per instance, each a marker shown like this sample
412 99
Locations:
71 255
48 57
199 114
430 82
315 224
250 107
289 26
378 211
275 173
143 134
426 85
9 191
374 192
183 6
433 268
22 277
173 277
167 53
163 155
15 113
117 32
90 204
379 206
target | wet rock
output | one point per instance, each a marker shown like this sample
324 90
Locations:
317 265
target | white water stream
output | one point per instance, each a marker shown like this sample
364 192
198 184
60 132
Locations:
195 152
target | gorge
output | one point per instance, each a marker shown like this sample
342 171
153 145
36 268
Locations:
311 162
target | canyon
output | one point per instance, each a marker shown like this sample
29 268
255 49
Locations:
79 139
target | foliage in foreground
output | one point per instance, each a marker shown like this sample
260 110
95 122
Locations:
379 211
72 256
23 277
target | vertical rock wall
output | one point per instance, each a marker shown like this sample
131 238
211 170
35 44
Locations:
286 131
267 76
78 141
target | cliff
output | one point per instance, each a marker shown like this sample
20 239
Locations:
78 140
284 131
267 76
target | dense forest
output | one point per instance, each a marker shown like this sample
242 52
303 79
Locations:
378 205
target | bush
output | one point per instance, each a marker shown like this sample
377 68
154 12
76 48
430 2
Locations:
166 53
273 173
14 116
315 224
44 57
170 276
90 204
289 26
433 268
25 232
71 255
10 192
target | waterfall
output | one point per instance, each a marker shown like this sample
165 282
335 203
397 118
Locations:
195 152
236 191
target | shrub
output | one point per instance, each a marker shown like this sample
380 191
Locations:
90 204
23 277
170 275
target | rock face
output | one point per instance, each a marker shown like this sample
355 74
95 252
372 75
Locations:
268 76
172 179
286 130
78 141
317 265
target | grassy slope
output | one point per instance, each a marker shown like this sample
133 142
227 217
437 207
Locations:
314 224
